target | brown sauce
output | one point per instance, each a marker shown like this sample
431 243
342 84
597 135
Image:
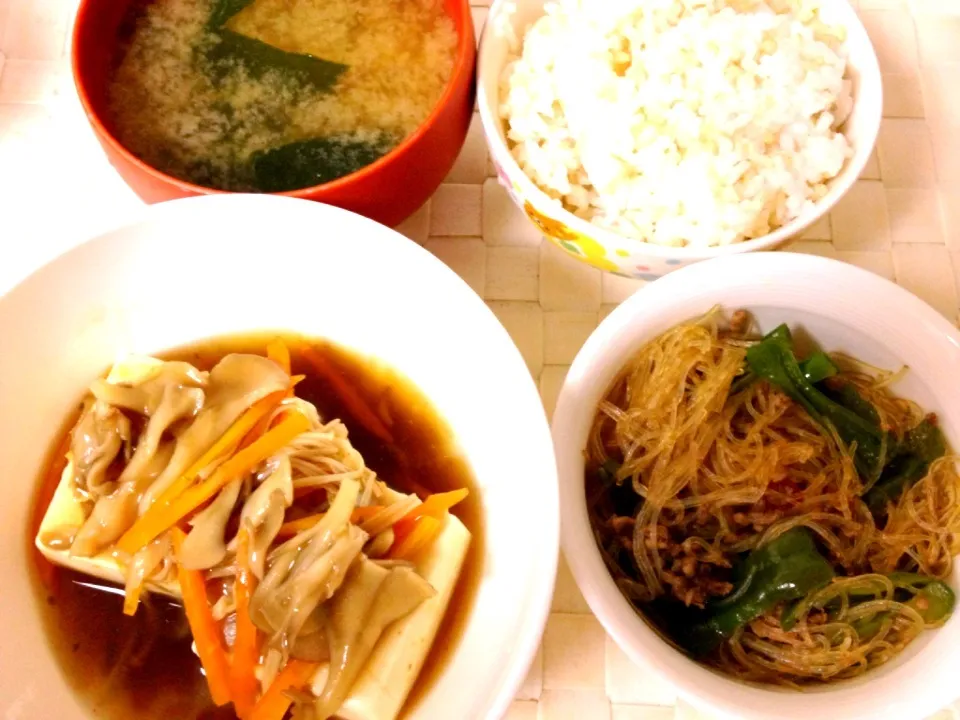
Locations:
142 666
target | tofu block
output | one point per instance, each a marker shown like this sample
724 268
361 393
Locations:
66 511
385 682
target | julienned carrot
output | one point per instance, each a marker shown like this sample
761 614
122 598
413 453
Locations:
131 599
425 530
438 504
351 401
248 427
160 517
303 491
246 651
278 352
292 527
203 627
268 421
362 514
274 703
435 506
227 443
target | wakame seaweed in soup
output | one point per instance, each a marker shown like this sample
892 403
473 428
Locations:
270 95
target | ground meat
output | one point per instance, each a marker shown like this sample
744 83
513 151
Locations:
778 502
692 571
739 322
695 573
656 538
623 525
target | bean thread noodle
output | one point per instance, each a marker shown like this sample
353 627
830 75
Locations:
688 470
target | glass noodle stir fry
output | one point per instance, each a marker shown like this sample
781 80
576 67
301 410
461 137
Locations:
292 558
783 517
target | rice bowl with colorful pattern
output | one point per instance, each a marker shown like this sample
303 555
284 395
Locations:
643 136
679 122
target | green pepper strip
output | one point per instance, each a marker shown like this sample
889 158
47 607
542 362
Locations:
933 599
787 568
816 368
911 461
773 360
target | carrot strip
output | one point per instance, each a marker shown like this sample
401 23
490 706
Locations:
302 492
203 627
278 352
227 443
246 651
268 421
160 517
362 514
438 504
401 529
435 506
258 430
426 529
292 527
275 702
351 401
131 600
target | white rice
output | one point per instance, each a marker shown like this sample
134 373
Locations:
679 122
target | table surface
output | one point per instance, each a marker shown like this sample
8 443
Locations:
901 221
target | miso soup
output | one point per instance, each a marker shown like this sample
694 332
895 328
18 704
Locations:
276 95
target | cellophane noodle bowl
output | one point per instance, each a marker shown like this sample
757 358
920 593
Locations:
787 519
686 123
226 491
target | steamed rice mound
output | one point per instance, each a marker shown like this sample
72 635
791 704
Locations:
679 122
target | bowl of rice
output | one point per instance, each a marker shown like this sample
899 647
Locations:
644 135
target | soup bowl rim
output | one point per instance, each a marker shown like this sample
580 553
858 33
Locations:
463 65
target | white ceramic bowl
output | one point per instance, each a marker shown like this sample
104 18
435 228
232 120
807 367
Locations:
209 266
843 308
629 256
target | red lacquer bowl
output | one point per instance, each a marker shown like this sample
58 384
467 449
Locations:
388 191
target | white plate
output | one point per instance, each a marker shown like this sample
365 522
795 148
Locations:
226 264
